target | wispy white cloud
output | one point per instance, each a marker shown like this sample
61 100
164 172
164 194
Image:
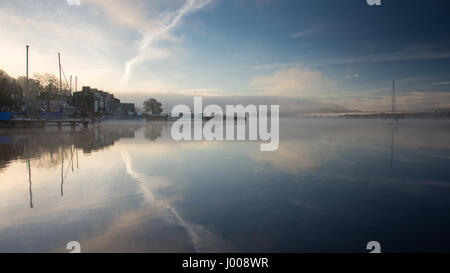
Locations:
439 83
152 29
418 52
411 53
352 76
97 39
408 101
416 79
306 33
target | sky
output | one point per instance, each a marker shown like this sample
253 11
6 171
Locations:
298 53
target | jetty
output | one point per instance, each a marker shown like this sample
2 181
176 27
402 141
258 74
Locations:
36 123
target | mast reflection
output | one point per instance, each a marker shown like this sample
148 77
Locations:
48 149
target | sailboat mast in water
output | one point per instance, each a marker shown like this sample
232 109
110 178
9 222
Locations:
393 99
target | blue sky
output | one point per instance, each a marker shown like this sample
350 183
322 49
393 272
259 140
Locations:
344 52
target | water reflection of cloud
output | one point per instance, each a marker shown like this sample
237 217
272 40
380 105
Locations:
294 156
308 143
368 133
122 200
144 229
202 239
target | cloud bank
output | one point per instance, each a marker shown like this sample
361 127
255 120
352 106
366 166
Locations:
293 82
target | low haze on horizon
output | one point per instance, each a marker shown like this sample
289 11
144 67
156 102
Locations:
301 54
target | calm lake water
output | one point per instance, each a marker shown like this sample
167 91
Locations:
332 186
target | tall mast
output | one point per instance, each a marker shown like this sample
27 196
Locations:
70 88
76 81
60 79
393 99
26 80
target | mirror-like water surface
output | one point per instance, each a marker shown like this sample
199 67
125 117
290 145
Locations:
332 186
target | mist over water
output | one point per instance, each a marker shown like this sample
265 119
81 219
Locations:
332 186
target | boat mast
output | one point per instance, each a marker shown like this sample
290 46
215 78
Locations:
26 80
393 99
60 79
